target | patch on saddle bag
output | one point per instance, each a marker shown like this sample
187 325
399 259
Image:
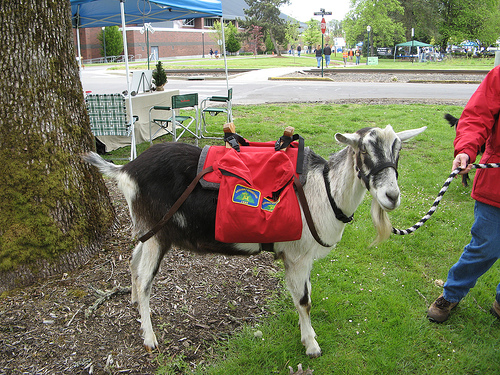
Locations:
257 201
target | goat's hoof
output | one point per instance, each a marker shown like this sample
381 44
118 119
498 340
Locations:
313 351
314 354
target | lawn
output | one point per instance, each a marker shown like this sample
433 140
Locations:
369 303
309 61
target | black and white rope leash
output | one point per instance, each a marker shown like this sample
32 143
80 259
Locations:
434 206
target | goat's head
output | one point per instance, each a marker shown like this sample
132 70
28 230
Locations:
376 161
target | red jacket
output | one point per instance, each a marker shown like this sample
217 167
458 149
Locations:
478 125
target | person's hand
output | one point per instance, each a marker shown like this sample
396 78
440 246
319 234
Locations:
462 161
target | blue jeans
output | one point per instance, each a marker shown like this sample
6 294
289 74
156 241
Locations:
478 256
327 60
319 58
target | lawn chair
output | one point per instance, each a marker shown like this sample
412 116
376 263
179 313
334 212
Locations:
177 120
108 116
215 105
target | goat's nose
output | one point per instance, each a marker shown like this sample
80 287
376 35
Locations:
392 196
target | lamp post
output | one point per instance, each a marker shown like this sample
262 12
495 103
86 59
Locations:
412 36
104 42
368 29
203 43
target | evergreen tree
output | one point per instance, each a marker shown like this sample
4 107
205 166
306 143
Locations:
114 41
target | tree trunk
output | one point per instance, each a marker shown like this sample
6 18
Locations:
55 209
275 44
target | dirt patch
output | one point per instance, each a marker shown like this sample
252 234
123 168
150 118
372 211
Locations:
197 300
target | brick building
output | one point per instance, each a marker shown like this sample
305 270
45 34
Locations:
190 37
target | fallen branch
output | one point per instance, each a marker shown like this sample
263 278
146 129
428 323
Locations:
104 296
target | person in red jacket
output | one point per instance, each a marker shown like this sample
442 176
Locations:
479 125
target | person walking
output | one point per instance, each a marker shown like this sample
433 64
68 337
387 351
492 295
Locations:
299 49
327 51
358 56
319 55
344 57
478 125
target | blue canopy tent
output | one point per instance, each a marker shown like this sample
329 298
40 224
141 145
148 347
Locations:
99 13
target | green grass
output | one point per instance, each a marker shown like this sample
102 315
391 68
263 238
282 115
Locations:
309 61
369 303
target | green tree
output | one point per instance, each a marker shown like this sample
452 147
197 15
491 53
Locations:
266 14
233 43
230 36
312 35
292 33
114 41
469 19
380 15
55 209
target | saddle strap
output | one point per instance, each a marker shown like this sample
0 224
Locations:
307 212
178 203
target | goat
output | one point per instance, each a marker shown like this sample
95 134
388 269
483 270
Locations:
453 121
153 182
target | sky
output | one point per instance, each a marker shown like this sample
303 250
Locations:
303 10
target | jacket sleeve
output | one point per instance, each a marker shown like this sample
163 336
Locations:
479 116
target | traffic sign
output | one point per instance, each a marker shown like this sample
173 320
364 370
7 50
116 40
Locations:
323 25
322 13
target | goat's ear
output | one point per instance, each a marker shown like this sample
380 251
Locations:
407 134
348 139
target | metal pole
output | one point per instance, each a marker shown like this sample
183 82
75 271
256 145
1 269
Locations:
224 49
322 40
133 152
104 41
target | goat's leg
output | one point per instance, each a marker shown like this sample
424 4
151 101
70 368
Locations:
144 265
297 275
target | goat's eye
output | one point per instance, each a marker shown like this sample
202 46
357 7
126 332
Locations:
362 148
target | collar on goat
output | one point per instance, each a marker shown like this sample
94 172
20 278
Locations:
338 212
374 171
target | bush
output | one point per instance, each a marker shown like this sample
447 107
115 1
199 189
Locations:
159 75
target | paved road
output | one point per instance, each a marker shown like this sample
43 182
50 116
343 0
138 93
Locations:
255 88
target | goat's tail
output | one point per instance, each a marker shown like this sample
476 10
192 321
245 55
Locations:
381 222
105 167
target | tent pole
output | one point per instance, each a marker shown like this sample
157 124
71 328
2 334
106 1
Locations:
224 49
78 41
133 152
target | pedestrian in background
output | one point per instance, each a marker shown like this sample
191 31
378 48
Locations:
344 57
327 51
478 125
358 56
319 55
299 49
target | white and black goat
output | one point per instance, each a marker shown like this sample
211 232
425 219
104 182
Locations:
153 182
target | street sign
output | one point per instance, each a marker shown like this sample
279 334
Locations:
323 26
322 13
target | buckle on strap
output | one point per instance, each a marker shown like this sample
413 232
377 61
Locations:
374 171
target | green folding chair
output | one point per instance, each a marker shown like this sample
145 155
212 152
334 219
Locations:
108 116
213 106
177 120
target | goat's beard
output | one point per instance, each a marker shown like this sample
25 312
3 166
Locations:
381 222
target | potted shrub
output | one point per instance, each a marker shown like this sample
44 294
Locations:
159 76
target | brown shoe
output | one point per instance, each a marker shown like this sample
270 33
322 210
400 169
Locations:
495 310
440 310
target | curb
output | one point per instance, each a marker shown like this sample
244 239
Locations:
300 79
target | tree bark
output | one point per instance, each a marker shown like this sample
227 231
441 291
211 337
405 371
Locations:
55 210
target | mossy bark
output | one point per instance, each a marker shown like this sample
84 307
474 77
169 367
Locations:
54 209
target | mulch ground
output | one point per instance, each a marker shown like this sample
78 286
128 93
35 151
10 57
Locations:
57 326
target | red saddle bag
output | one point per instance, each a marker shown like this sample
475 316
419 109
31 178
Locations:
256 202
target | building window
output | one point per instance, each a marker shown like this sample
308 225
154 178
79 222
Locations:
188 22
209 22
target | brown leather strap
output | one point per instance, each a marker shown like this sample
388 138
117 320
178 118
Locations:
307 212
176 205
